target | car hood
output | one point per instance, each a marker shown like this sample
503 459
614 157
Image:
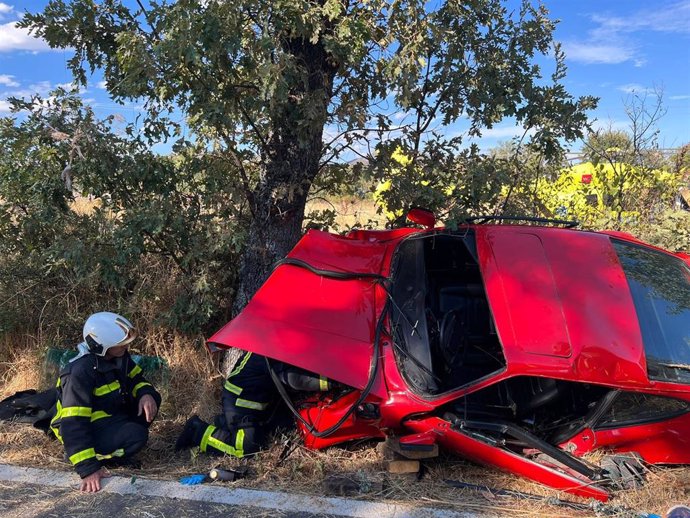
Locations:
561 305
317 322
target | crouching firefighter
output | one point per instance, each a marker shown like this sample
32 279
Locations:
252 407
104 405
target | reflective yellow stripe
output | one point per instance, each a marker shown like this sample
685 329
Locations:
239 443
232 388
58 382
82 455
206 437
55 429
237 451
136 370
57 434
245 403
99 414
106 389
75 411
239 368
139 385
117 453
58 411
323 383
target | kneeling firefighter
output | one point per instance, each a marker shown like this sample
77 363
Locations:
104 406
251 407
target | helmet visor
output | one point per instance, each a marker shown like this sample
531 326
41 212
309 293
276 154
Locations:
130 331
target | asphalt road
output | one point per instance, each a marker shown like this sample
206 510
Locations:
32 493
19 500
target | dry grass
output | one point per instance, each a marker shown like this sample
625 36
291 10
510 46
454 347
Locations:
192 385
84 205
352 211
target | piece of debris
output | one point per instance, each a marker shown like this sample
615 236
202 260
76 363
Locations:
227 475
194 480
348 484
625 471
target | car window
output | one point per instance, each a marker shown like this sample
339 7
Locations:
632 408
660 288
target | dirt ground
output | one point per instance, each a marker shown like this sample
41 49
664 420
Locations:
36 501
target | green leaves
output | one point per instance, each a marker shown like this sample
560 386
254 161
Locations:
137 230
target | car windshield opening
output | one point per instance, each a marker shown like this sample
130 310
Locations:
444 332
660 288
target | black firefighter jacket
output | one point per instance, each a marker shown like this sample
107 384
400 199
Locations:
92 389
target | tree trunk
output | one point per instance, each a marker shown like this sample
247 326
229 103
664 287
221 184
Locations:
291 162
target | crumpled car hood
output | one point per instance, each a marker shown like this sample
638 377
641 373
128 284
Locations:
321 324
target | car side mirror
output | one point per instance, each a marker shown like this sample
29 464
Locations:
422 217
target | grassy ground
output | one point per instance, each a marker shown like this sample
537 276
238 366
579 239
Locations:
192 386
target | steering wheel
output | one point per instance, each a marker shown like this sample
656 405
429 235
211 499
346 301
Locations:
452 345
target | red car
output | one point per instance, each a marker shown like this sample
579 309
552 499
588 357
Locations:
517 346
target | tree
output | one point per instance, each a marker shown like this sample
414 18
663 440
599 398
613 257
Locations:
261 82
631 155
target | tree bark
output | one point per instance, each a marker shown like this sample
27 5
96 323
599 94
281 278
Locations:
291 162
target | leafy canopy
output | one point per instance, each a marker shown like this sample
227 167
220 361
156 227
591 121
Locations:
245 71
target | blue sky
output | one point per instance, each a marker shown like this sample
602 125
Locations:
613 47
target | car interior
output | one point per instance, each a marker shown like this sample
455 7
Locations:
445 334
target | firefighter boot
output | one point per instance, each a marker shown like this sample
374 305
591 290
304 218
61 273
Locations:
191 433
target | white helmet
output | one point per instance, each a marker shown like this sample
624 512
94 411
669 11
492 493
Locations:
105 330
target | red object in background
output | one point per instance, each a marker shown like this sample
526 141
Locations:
553 307
422 217
586 178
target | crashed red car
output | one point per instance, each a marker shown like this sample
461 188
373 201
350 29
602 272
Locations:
517 346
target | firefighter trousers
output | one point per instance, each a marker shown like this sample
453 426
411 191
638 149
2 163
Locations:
118 438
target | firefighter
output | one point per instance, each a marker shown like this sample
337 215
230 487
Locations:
104 406
251 408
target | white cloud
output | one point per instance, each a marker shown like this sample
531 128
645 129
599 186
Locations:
4 106
610 125
72 86
41 88
505 132
7 80
598 54
679 97
102 85
13 38
611 40
631 88
672 18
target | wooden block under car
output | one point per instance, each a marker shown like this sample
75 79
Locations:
412 451
403 466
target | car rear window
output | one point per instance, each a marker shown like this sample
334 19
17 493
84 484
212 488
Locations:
660 288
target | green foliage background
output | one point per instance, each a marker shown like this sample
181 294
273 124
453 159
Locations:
155 237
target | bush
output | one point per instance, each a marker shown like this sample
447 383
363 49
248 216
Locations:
92 220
